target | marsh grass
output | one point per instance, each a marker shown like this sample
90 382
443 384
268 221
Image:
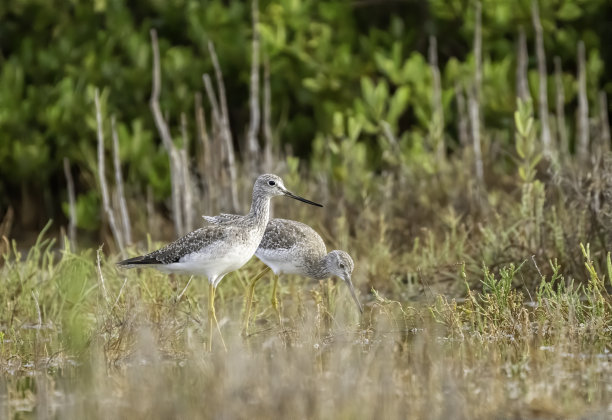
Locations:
71 350
479 304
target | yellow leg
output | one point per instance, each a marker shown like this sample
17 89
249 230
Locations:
211 308
212 318
274 299
249 300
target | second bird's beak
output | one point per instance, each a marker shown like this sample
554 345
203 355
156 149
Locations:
297 197
349 283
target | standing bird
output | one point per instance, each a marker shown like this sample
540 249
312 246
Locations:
290 247
214 251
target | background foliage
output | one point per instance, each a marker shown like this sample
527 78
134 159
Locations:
485 272
359 61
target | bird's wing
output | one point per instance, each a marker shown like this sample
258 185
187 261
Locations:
283 234
191 242
221 218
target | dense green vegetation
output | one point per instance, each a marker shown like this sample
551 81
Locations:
365 60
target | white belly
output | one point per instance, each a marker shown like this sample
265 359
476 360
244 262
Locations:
281 263
205 264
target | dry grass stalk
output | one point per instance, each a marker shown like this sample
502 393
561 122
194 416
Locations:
5 230
543 91
35 297
560 108
388 132
187 193
224 127
252 145
219 145
72 220
582 141
474 96
603 121
478 49
475 125
123 211
462 117
267 117
220 164
225 147
120 292
100 275
221 87
205 164
164 132
212 99
150 209
102 178
438 111
522 88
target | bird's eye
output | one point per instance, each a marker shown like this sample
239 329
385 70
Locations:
272 183
341 266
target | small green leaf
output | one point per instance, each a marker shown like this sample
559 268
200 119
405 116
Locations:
398 104
569 11
519 123
333 147
529 128
311 83
338 125
367 90
354 128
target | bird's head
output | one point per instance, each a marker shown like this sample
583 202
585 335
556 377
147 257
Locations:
341 264
272 185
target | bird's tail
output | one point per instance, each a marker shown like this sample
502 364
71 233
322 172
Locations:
136 261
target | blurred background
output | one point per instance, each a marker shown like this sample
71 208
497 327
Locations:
461 149
349 92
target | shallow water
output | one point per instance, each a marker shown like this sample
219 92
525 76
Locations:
303 370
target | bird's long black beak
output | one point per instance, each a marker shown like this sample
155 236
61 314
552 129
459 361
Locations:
349 283
297 197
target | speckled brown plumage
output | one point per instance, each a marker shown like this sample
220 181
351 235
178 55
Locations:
214 251
194 241
295 248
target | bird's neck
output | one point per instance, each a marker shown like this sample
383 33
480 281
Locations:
260 209
320 270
